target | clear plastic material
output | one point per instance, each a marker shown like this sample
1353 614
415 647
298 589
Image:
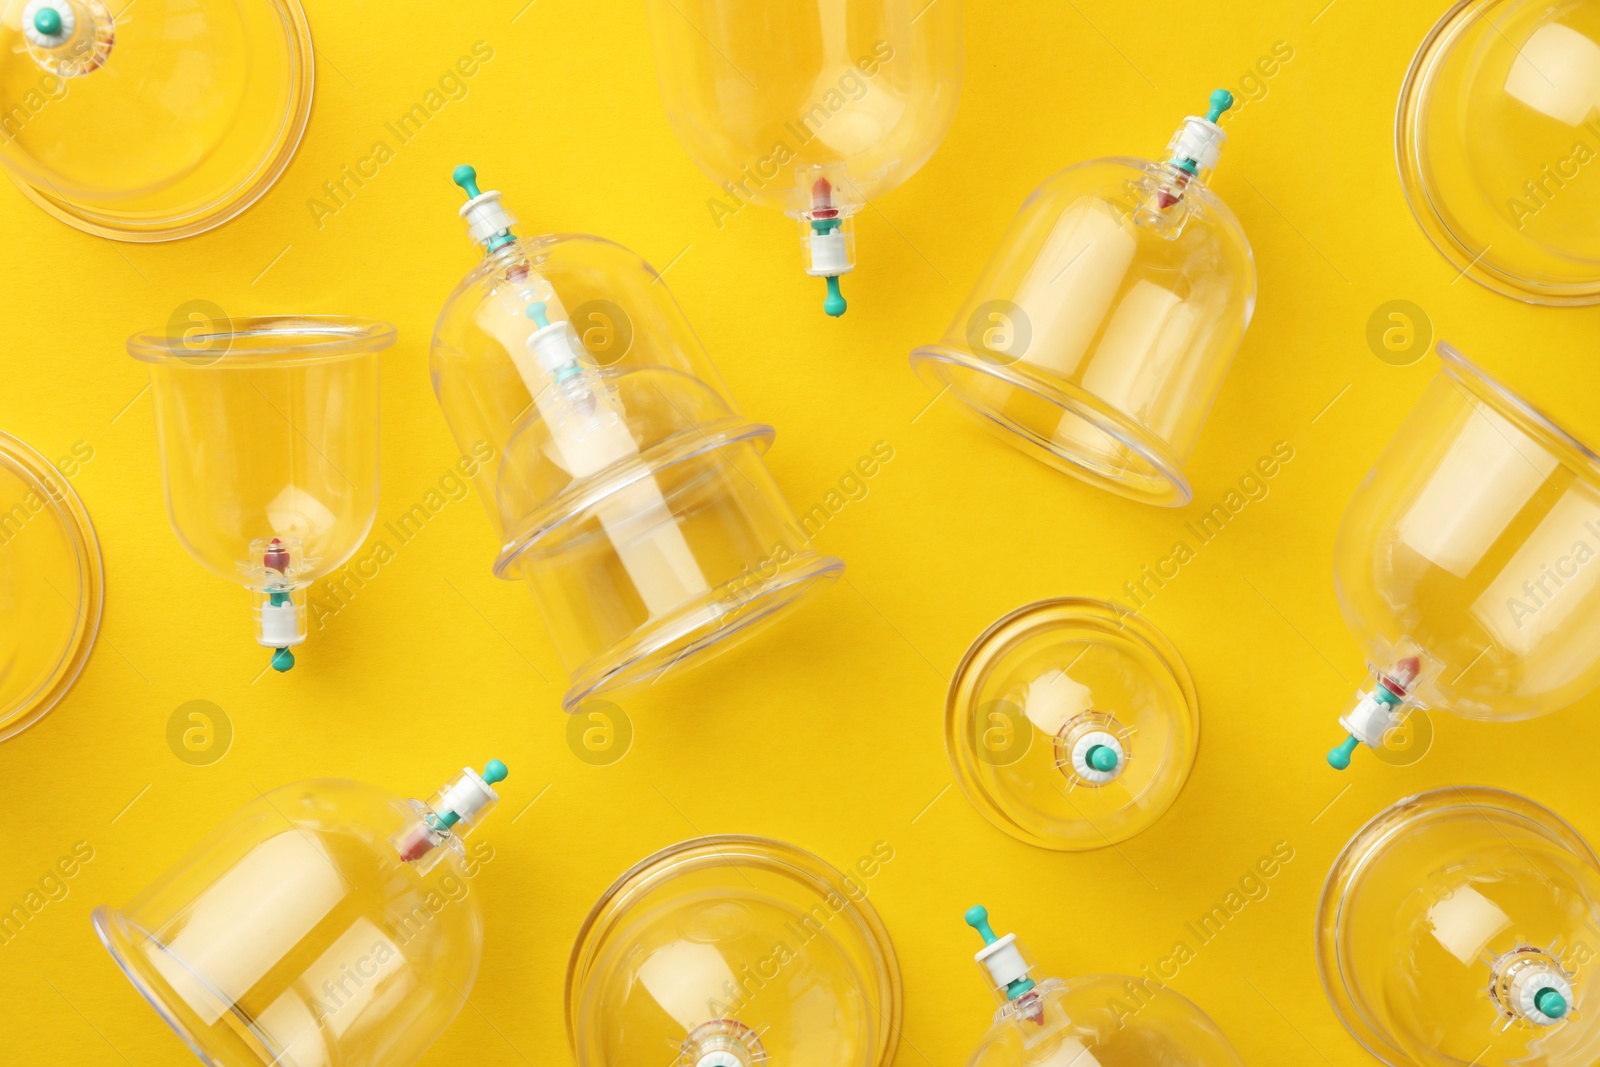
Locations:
268 432
325 923
154 123
1072 724
1459 927
1468 563
1100 333
621 483
1092 1021
728 951
51 584
813 107
1498 122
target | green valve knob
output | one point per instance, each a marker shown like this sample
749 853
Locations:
1551 1002
467 178
1102 758
282 659
835 304
47 20
539 313
1339 756
1221 100
495 771
978 918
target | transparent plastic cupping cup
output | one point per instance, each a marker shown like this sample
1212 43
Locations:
733 951
1498 125
812 107
326 923
1091 1021
1468 563
268 434
622 484
51 585
155 123
1099 335
1459 926
1072 724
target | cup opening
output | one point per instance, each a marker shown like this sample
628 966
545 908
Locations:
1470 254
61 503
708 627
113 930
262 341
1535 423
1058 424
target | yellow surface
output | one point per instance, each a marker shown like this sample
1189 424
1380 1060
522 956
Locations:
826 732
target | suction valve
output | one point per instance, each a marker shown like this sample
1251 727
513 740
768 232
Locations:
1377 710
488 222
1540 993
830 245
1096 754
67 38
1001 957
1197 147
276 565
49 23
464 802
470 794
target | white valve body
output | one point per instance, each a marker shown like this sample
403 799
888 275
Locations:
1201 141
1369 720
468 795
1003 960
278 626
829 254
486 217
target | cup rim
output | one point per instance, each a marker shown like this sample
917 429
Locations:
263 340
1541 427
61 499
1169 486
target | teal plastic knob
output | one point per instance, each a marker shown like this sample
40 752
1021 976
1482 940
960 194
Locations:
1551 1002
495 771
835 304
1221 100
467 178
47 20
978 918
539 313
1102 758
1339 757
282 659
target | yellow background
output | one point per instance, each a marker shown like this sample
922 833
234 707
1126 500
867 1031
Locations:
827 731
